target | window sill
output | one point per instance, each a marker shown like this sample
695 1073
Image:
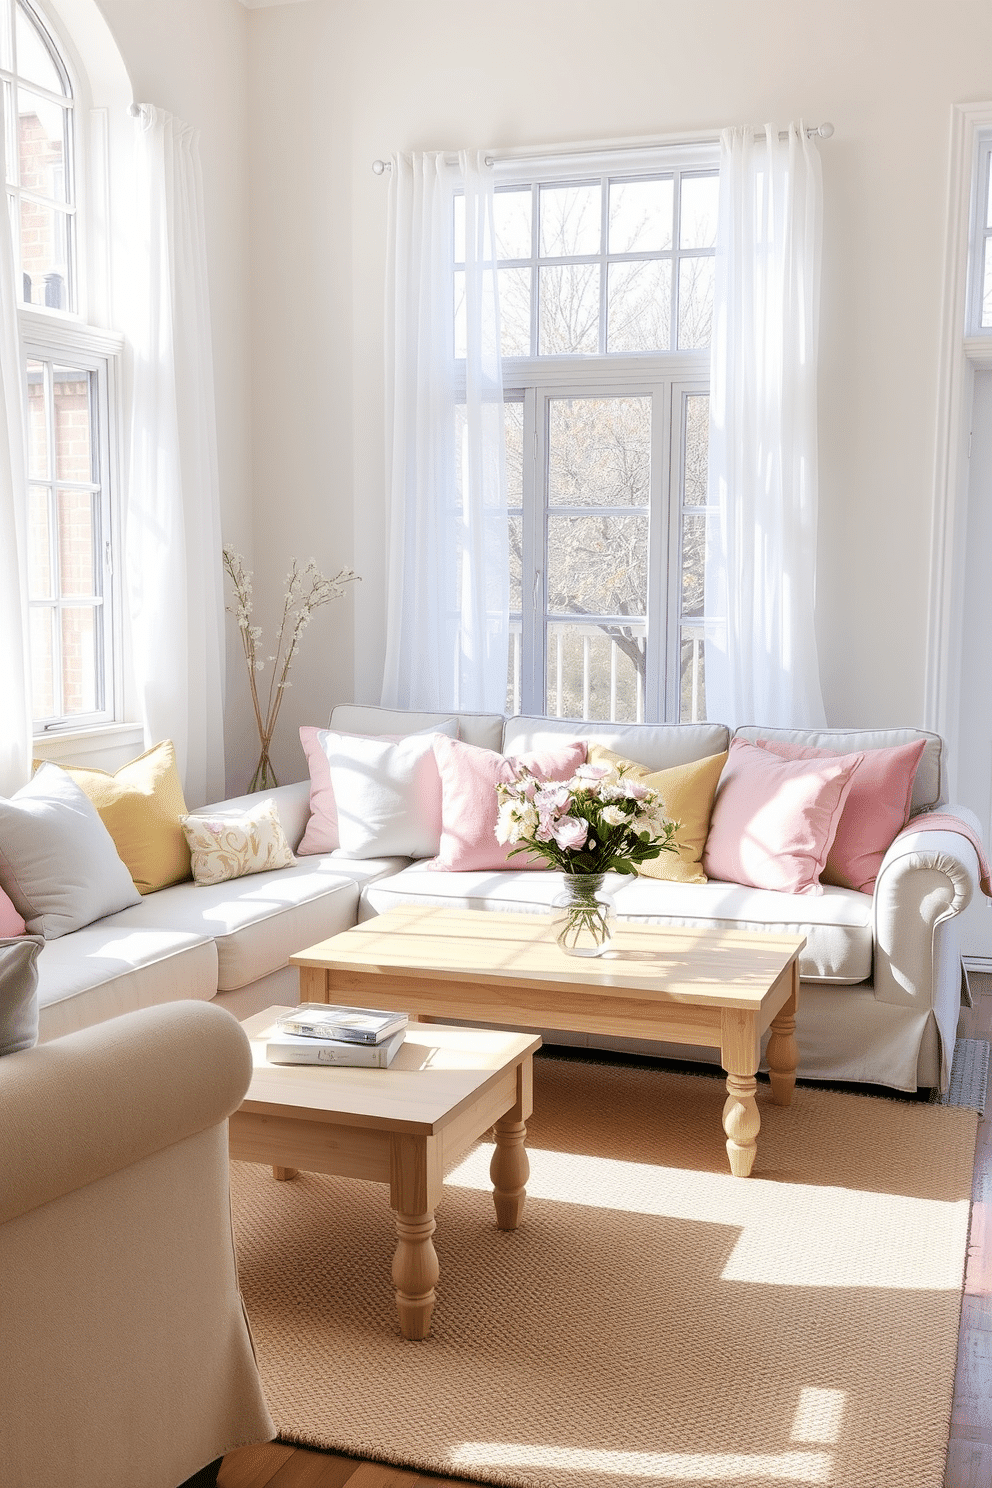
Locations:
105 746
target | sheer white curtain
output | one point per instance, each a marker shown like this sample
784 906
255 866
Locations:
448 571
15 707
761 552
174 565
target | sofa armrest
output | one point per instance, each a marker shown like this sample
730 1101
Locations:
292 804
926 878
91 1103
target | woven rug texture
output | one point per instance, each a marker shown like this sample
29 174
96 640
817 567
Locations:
654 1320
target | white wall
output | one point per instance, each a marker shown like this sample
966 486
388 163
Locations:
190 58
297 224
337 83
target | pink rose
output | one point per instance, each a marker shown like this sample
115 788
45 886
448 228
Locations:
570 832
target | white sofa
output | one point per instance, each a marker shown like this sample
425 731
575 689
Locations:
881 974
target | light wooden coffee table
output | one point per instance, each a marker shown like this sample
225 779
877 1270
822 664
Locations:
722 989
403 1126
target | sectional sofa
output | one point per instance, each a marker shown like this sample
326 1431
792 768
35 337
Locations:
881 978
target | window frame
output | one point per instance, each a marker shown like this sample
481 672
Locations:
72 154
46 338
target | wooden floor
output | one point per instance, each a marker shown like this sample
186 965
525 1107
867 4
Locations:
969 1457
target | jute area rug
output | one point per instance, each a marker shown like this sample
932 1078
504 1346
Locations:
654 1320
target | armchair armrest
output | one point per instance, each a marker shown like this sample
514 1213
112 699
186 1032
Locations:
926 879
95 1102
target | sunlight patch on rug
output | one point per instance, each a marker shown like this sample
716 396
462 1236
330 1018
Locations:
780 1243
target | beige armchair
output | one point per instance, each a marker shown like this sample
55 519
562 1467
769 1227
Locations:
125 1355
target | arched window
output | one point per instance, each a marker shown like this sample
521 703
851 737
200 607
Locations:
39 129
72 377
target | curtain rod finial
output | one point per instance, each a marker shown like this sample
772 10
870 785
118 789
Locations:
825 131
379 166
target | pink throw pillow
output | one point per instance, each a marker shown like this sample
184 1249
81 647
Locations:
10 921
774 819
469 804
876 810
321 833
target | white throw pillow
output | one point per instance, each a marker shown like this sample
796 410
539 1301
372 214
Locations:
58 862
224 846
388 794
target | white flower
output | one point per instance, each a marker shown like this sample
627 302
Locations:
613 816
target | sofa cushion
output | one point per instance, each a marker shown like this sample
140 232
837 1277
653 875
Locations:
226 845
687 792
482 729
837 924
929 785
774 820
19 992
876 809
656 746
470 806
140 805
107 969
58 862
258 922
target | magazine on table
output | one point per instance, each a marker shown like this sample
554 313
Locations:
352 1025
290 1048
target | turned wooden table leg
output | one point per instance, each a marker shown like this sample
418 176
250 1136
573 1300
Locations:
414 1193
509 1171
741 1120
415 1271
782 1052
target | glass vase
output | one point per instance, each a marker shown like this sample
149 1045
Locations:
583 915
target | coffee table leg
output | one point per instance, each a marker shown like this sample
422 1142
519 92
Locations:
415 1271
741 1121
783 1051
509 1171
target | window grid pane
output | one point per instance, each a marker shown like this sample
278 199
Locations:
65 547
37 103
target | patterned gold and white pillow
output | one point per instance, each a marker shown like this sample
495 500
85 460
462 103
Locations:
223 847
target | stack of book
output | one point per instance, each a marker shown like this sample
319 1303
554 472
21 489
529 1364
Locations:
322 1033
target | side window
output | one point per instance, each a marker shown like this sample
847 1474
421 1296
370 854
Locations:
39 128
70 375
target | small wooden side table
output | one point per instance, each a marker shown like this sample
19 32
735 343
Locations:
401 1126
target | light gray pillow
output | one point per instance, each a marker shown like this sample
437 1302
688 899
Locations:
19 992
58 862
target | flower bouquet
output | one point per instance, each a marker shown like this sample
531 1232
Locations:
603 820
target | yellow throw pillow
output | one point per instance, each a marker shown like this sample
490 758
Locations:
140 805
688 792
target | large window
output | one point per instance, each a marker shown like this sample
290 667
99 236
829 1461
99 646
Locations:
70 373
606 296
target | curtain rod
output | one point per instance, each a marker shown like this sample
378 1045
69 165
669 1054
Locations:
813 131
